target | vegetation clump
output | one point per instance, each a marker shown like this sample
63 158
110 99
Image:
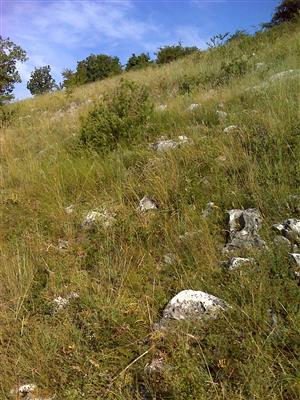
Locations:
122 117
41 81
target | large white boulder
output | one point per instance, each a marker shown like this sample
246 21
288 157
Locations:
193 305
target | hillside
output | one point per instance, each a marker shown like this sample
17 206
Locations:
80 308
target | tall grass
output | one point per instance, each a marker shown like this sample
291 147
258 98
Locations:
97 347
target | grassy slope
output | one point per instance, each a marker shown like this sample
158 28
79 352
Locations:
82 352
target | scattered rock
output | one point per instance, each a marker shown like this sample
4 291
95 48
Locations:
62 244
161 107
156 366
230 129
70 209
147 204
290 229
193 305
101 217
221 114
24 390
282 241
260 65
244 226
60 303
169 259
209 209
164 145
283 74
193 106
296 258
237 262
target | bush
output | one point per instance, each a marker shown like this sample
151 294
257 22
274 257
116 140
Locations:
136 62
171 53
124 117
7 115
97 67
232 69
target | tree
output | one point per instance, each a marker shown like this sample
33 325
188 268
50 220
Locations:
287 10
168 54
10 54
136 62
97 67
41 81
217 40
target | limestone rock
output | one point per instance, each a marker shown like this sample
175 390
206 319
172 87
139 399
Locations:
169 259
167 144
244 226
99 217
156 366
282 241
60 303
237 262
70 209
230 129
209 209
193 305
221 115
147 204
290 229
296 258
24 390
193 106
62 244
161 107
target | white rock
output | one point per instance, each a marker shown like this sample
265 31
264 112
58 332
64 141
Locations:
169 259
162 107
230 129
260 65
289 229
210 207
156 365
147 204
63 244
24 389
221 114
283 74
163 145
193 106
237 262
282 241
193 305
101 217
62 302
70 209
296 258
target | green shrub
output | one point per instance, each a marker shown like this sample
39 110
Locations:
124 117
7 115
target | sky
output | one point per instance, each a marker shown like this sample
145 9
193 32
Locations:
61 32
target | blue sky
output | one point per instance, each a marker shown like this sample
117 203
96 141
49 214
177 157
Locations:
62 32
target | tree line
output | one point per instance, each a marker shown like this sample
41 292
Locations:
100 66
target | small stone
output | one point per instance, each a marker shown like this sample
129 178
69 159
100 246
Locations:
156 366
193 106
237 262
283 74
278 227
62 302
24 390
230 129
209 209
147 204
193 305
244 226
169 259
161 107
281 241
221 114
183 139
101 217
296 258
70 209
163 145
63 244
260 65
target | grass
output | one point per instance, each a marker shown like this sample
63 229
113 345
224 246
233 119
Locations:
98 346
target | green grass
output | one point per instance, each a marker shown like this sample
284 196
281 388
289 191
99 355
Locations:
98 346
